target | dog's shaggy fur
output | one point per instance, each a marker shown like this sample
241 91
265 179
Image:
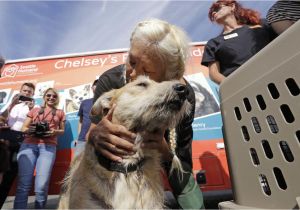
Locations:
142 105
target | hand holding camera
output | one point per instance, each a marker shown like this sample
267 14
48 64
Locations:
40 129
27 100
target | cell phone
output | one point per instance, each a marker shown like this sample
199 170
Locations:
25 98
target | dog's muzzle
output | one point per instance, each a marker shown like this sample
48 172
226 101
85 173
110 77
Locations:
182 93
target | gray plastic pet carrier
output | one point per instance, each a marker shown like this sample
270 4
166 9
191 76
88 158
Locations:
260 105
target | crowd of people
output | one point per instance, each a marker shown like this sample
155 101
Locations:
158 49
15 116
31 133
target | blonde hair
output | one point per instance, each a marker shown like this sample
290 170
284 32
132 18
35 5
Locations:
176 163
57 99
166 42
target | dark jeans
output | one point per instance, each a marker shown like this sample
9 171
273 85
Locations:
9 176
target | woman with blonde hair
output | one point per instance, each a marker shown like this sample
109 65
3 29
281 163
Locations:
38 151
158 50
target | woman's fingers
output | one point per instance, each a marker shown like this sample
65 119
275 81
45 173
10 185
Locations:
108 154
112 141
114 134
122 132
117 130
109 115
115 150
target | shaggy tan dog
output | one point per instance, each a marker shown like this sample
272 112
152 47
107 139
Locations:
142 105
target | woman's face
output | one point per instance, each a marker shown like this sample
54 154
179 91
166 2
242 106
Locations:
50 98
139 63
221 12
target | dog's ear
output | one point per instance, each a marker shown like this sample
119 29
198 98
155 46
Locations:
72 92
102 105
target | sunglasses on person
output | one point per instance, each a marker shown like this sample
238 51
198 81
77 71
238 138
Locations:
51 95
218 7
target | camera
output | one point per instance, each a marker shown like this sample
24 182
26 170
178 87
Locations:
25 98
41 129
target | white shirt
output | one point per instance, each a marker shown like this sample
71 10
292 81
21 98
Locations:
17 116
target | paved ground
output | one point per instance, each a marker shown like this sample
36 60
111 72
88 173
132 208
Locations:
51 203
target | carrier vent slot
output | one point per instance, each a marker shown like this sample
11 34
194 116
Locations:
247 104
245 133
273 90
254 156
264 184
272 124
280 178
261 102
286 151
256 125
237 113
267 149
287 113
292 86
298 135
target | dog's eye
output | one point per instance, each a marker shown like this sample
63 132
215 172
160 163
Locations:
142 84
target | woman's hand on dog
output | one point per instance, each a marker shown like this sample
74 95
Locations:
111 140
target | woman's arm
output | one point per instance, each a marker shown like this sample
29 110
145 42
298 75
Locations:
61 129
26 125
214 72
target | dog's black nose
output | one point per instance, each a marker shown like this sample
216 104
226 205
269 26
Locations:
181 90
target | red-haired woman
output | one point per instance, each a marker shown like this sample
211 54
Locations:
242 37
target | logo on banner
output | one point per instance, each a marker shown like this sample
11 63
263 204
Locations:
19 70
10 71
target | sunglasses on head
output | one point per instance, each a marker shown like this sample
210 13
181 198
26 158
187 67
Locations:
51 95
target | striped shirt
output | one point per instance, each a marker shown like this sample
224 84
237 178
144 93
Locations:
284 10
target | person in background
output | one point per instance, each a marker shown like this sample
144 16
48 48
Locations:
84 121
242 37
158 50
38 151
283 14
4 149
15 116
4 157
